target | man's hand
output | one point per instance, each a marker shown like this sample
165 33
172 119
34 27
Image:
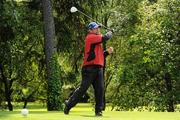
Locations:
110 50
109 34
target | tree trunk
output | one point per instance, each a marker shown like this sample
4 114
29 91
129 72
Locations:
49 31
25 103
53 82
7 86
8 96
170 102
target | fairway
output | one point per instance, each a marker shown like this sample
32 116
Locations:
85 112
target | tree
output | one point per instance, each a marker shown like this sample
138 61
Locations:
54 89
21 51
6 61
148 73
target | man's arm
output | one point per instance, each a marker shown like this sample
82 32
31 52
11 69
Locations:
107 36
97 39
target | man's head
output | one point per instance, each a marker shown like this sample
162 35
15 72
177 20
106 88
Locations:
94 27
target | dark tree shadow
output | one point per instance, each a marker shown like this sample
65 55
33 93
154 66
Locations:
94 116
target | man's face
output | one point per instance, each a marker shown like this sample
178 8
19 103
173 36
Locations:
97 30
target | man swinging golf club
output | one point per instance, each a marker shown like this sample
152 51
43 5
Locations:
92 70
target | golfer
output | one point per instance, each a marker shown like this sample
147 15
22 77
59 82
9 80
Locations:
92 70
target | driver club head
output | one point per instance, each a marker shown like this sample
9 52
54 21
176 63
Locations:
73 9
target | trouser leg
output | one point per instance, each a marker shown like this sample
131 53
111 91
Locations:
98 86
87 77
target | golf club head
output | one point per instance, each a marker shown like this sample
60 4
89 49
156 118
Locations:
73 9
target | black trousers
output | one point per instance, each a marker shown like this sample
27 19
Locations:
91 75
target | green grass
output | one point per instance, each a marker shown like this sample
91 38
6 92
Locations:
84 112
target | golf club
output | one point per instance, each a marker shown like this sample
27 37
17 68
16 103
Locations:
74 9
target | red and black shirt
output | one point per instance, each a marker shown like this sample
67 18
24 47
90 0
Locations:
96 40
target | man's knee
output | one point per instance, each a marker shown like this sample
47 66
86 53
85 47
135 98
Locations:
82 90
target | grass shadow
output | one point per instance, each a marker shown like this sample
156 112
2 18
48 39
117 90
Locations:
93 116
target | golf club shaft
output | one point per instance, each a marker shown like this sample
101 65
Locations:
94 20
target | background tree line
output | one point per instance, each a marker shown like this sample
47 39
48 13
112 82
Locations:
143 73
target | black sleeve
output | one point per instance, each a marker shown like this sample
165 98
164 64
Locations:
91 53
106 54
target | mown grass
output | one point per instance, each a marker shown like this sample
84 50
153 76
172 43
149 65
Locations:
83 112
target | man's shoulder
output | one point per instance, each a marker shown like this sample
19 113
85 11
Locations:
93 36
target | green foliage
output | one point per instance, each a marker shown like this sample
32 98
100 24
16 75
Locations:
54 85
148 68
21 50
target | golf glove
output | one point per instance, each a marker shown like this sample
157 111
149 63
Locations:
109 34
